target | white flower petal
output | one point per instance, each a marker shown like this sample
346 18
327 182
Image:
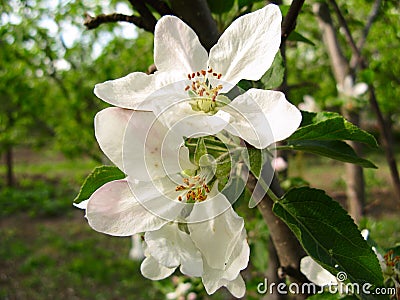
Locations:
199 124
151 269
217 237
262 117
359 89
109 127
151 150
114 210
159 196
348 84
237 287
172 247
214 279
177 47
237 261
127 92
315 273
248 46
136 252
81 205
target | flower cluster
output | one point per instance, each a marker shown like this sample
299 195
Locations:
186 222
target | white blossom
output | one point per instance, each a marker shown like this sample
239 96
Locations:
187 91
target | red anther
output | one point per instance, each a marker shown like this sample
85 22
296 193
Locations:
189 77
193 75
219 76
180 188
198 73
215 74
203 72
209 70
187 87
213 98
180 198
201 92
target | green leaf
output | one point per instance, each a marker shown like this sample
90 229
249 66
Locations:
255 161
274 76
329 235
220 6
297 37
338 150
330 126
99 176
201 150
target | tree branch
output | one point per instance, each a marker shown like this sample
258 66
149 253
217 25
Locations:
286 244
161 7
198 16
144 12
347 32
349 37
94 22
289 23
371 18
339 63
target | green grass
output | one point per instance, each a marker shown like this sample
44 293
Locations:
51 259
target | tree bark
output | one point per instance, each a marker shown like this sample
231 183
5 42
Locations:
355 184
10 169
287 246
198 16
340 67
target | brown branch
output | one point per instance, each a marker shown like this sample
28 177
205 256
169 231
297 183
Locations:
94 22
289 23
371 18
348 36
198 16
145 13
161 7
287 246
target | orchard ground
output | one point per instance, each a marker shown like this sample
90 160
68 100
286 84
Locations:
47 250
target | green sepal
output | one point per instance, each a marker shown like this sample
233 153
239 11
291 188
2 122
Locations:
98 177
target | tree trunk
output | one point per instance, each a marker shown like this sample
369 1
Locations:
355 184
9 164
340 67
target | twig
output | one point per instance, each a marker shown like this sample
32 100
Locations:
94 22
144 12
161 7
347 32
289 23
371 18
